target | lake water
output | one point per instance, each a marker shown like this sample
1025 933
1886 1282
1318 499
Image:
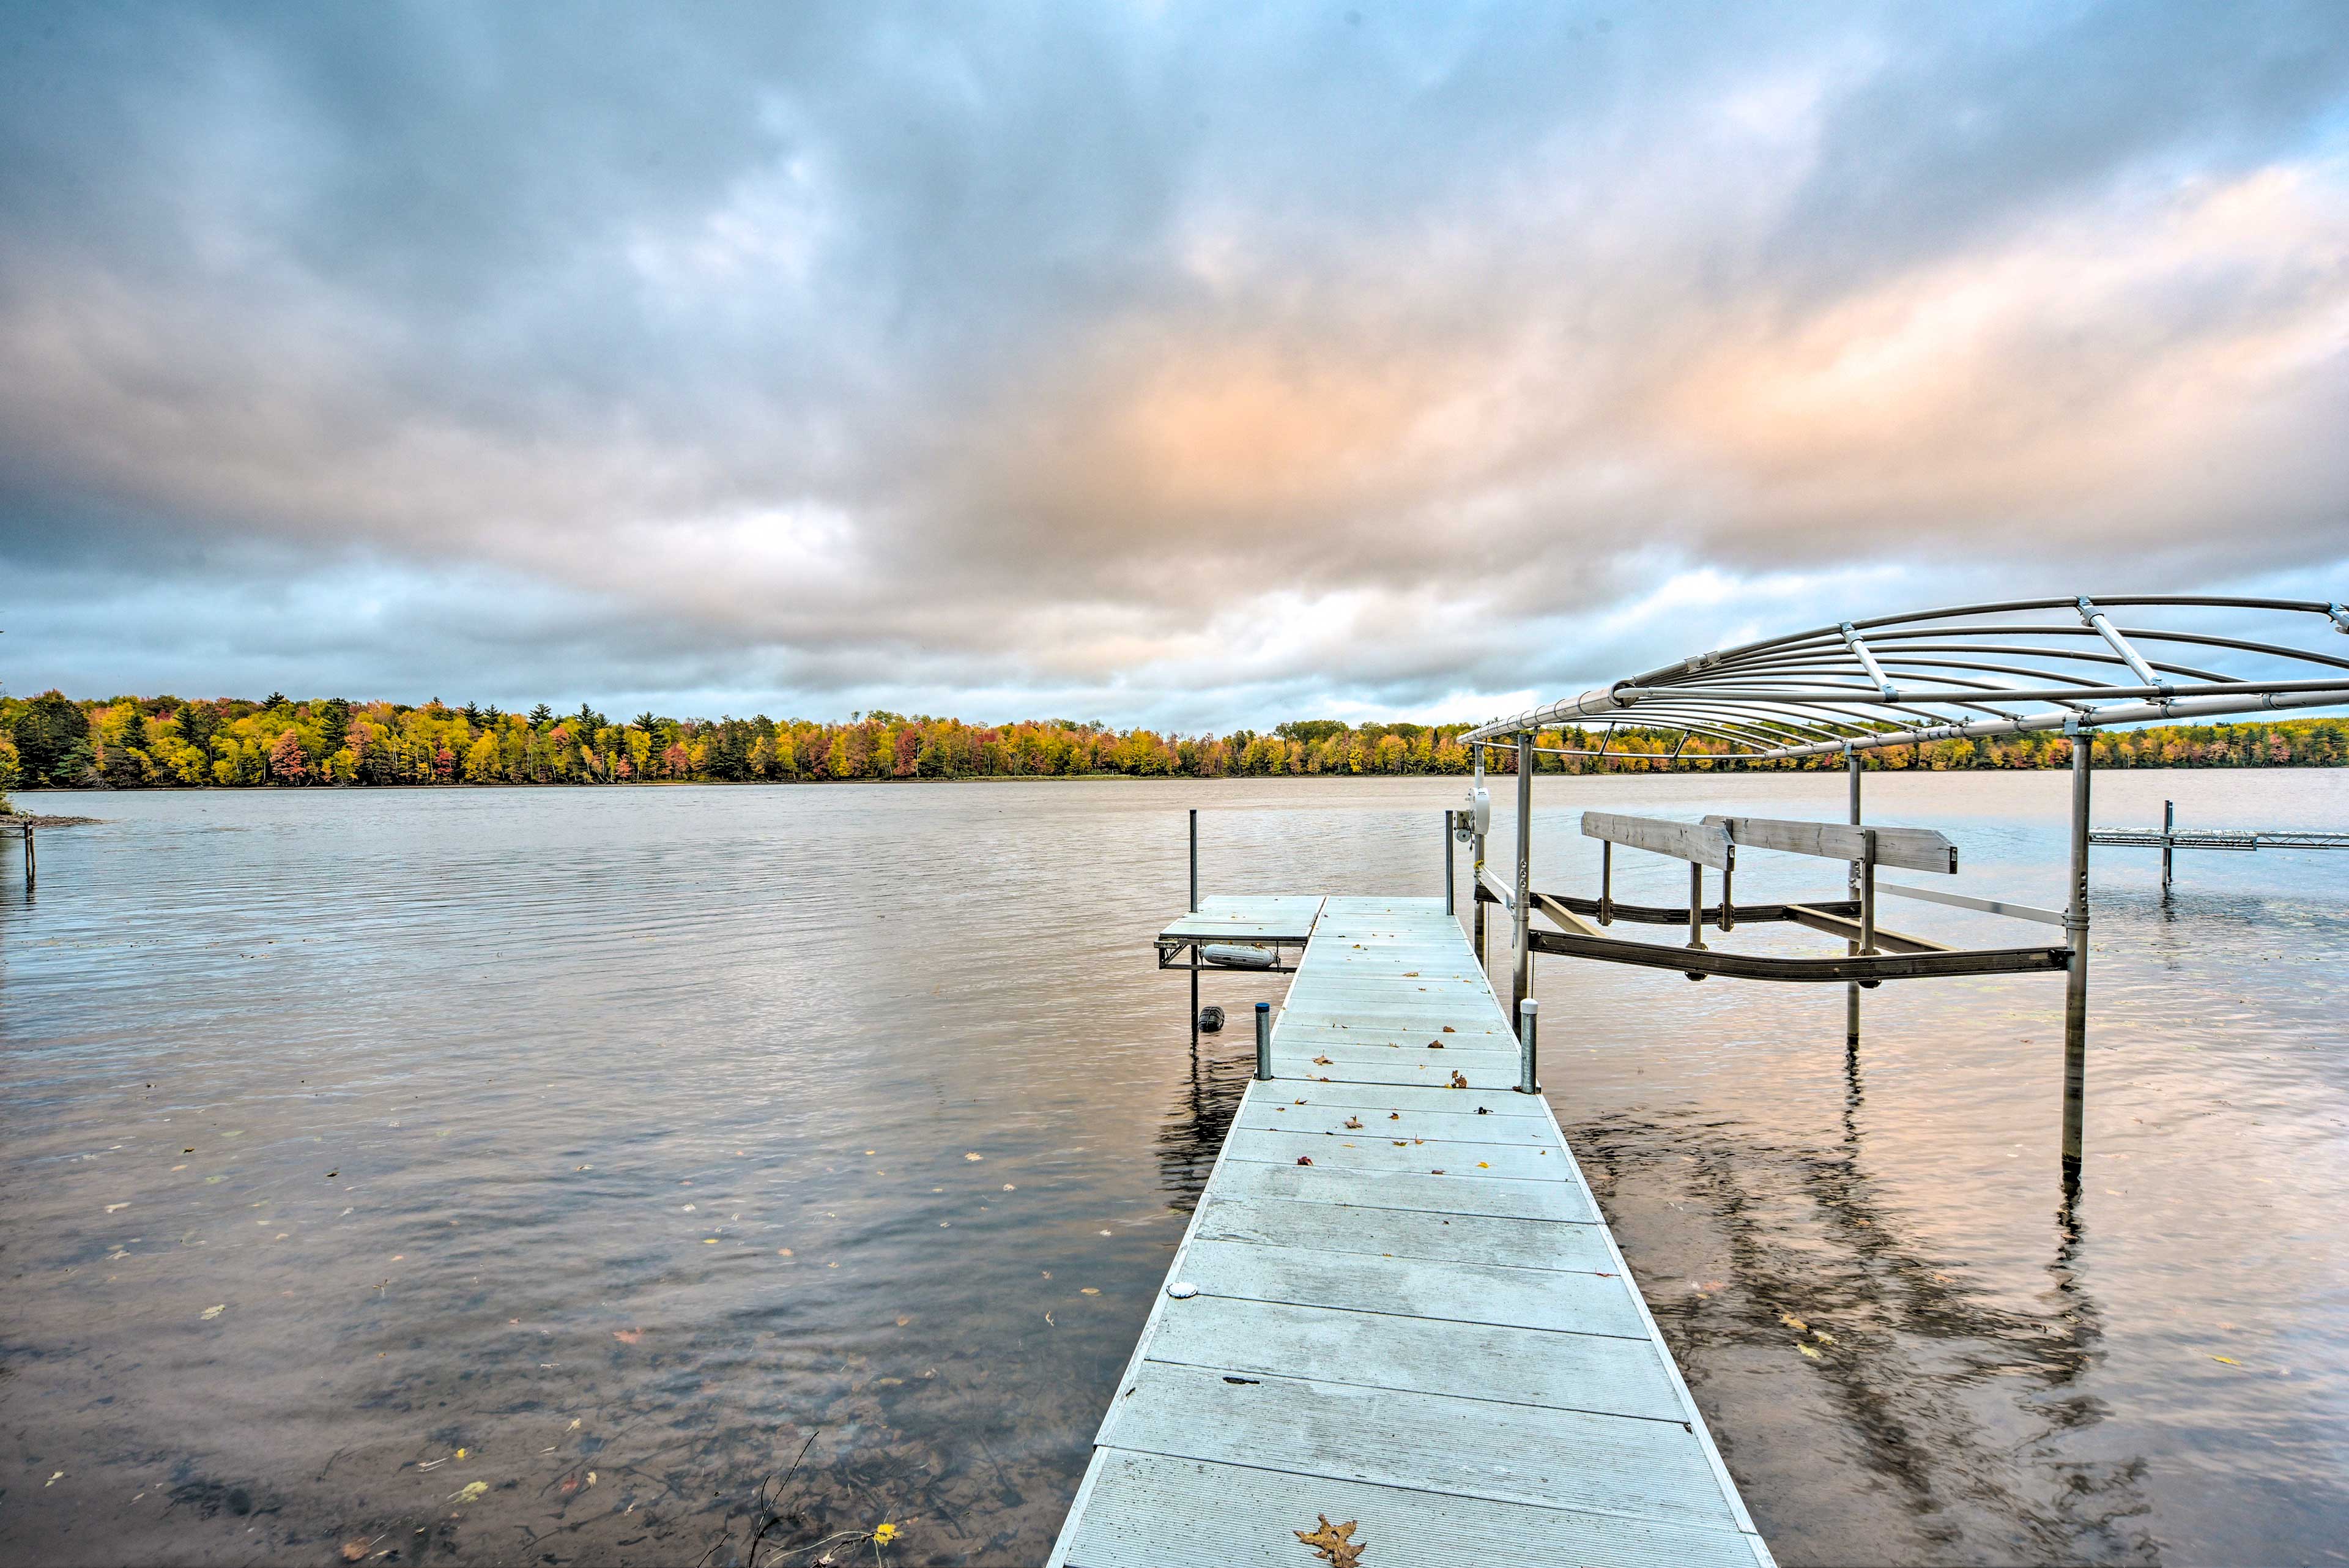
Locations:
632 1141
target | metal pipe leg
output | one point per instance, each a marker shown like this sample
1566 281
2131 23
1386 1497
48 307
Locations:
1263 1041
1528 1063
2169 843
1476 868
2075 978
1195 909
1851 989
1451 877
1522 982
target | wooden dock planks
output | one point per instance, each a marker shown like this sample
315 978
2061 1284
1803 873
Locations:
1426 1329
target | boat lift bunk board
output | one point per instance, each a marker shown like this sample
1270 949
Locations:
1875 953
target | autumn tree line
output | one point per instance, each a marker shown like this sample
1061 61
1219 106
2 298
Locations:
134 743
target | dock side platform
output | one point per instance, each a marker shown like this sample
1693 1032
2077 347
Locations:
1400 1308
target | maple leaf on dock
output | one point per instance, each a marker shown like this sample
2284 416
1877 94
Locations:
1332 1543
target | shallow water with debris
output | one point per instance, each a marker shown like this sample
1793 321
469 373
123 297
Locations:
531 1176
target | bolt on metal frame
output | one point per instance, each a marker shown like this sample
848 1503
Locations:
1962 672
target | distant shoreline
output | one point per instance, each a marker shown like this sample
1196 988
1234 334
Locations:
166 742
461 785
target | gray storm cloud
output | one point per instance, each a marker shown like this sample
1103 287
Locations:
1172 365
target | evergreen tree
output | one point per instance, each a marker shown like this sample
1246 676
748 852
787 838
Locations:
49 732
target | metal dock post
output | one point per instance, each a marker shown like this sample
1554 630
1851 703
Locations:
1451 877
1528 1065
1522 982
1263 1041
1851 989
2075 978
2168 844
1476 865
1195 909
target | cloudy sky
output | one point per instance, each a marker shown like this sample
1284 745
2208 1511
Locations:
1186 364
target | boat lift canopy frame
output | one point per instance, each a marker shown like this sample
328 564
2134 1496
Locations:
1965 671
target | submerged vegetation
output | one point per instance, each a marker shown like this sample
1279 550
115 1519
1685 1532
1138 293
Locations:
131 742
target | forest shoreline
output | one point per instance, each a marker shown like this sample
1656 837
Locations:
424 786
164 742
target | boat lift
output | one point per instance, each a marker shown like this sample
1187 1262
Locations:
1968 672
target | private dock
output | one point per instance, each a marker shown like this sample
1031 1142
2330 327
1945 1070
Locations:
1396 1307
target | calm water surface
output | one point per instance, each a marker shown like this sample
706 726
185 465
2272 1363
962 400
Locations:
631 1141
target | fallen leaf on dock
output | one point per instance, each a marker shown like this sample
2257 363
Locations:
1437 1171
1354 1122
1483 1165
1449 1030
1459 1080
1410 975
1332 1543
1484 1110
1304 1159
1322 1061
1435 1044
1394 1116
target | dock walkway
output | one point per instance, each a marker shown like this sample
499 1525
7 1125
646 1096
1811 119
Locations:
1407 1313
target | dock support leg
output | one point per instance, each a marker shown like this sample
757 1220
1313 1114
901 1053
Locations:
1195 909
1477 870
1851 988
2168 842
1451 877
1522 980
2075 978
1528 1063
1263 1041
